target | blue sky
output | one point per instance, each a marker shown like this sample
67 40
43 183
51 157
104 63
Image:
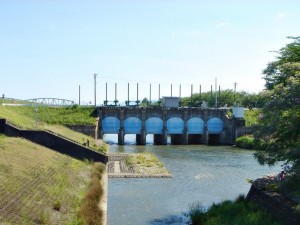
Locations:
49 48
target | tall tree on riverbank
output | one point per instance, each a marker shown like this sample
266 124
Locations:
281 115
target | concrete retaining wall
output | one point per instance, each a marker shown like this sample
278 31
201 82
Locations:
84 129
53 141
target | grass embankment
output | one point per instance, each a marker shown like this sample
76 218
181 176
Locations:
240 211
145 163
38 185
54 119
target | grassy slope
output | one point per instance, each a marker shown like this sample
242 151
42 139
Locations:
38 185
53 119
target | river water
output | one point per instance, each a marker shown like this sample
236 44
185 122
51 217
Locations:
204 174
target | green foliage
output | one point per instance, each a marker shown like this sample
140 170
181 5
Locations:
286 65
291 185
226 97
249 142
227 213
280 120
89 212
196 213
252 117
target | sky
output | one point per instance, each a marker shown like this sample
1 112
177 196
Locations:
48 49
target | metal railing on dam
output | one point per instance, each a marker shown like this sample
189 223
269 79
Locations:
183 125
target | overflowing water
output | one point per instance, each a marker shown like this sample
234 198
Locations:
204 174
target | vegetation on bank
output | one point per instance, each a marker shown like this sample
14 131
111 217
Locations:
90 212
239 211
145 163
249 142
38 185
280 117
252 117
54 120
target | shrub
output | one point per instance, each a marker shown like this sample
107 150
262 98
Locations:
227 213
245 142
196 213
89 212
249 142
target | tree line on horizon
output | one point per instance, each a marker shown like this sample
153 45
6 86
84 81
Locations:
225 98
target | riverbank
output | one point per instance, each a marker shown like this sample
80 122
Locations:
265 204
265 192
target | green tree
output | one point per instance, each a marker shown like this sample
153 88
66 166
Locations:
226 97
280 120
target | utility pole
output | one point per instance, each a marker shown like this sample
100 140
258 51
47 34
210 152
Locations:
95 77
235 84
79 96
216 100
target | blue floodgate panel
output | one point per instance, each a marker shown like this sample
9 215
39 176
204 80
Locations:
195 125
110 125
132 125
175 125
154 125
214 126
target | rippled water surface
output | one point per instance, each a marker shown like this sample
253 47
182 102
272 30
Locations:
204 174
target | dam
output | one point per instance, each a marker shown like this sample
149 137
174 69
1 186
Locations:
184 125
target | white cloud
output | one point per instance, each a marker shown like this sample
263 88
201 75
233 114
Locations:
280 16
223 25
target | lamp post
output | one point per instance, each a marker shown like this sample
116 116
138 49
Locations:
95 77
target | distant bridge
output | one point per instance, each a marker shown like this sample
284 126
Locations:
51 101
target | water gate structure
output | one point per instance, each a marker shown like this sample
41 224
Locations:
184 125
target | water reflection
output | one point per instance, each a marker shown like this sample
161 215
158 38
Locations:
201 173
